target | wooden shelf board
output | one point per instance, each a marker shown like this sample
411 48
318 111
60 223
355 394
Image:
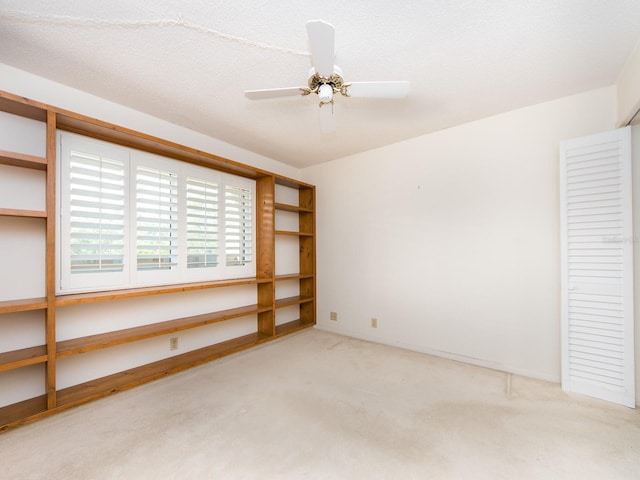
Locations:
290 327
297 234
23 357
90 343
290 182
77 298
19 412
23 107
289 301
18 212
293 276
292 208
23 305
130 378
22 160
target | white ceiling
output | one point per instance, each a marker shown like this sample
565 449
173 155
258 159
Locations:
189 61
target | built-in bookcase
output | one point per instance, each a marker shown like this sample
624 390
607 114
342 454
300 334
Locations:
283 289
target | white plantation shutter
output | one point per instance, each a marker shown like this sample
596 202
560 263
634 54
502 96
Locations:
92 202
597 267
156 219
96 214
238 225
132 219
202 223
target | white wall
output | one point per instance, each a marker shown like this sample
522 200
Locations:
629 88
451 240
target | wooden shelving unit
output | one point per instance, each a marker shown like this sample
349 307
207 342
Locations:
264 309
306 299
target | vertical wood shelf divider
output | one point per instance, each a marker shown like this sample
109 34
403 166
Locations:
50 262
265 214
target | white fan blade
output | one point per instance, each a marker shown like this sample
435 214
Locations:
322 46
378 89
275 93
327 124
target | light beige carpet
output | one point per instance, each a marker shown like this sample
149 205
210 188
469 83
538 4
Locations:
320 406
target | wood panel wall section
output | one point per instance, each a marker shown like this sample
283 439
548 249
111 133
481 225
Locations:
264 308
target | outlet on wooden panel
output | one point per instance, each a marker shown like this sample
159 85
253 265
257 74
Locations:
333 316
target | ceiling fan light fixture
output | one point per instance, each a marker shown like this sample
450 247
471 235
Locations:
325 93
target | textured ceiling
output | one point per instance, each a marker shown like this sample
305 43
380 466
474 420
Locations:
189 61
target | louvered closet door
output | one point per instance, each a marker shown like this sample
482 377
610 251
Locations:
597 267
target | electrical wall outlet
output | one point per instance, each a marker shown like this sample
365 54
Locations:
173 343
333 316
374 323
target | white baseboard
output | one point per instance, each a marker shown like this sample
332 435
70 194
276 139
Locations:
448 355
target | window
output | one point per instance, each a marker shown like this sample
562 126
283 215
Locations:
129 218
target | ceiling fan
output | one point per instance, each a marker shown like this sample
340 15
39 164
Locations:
326 79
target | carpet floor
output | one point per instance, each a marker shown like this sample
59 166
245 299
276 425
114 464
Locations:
316 405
